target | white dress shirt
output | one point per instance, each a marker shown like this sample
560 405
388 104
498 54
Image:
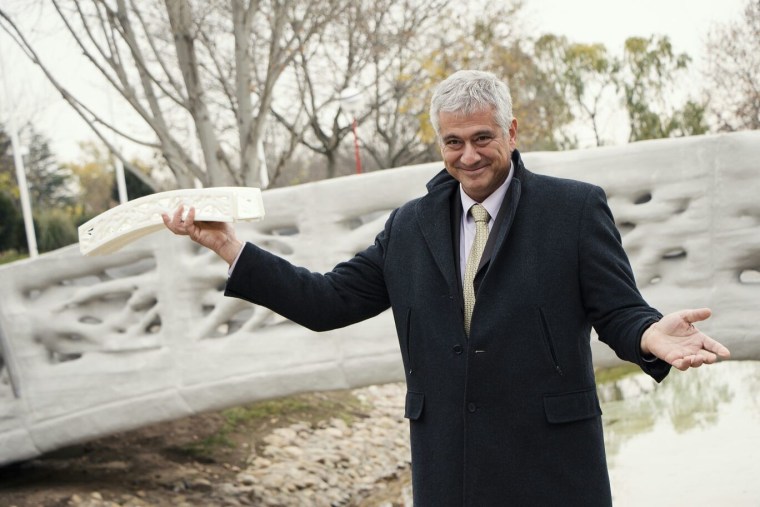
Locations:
492 204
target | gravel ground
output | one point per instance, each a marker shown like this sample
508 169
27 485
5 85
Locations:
347 448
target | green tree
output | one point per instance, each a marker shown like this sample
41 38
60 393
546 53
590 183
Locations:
582 73
50 192
55 229
7 170
49 183
536 101
691 119
10 223
649 70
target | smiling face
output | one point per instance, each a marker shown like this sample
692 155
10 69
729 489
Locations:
476 151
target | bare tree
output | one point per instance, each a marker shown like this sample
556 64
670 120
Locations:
401 84
374 47
193 71
319 74
733 72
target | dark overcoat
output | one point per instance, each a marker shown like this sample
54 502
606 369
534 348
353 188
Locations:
509 416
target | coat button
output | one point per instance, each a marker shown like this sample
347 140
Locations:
472 407
458 349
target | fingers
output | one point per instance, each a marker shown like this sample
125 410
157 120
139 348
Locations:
707 357
682 364
716 347
176 223
696 315
190 218
695 360
692 361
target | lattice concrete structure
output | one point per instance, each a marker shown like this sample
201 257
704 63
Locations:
96 345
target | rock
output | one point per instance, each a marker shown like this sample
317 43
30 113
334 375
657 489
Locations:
294 451
227 489
246 479
336 462
201 484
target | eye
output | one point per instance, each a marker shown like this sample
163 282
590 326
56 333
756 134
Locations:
453 143
483 140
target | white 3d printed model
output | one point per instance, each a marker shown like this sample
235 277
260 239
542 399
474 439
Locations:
119 226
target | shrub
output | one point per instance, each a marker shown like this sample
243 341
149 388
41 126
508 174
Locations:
55 229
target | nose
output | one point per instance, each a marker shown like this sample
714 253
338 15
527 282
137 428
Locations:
470 155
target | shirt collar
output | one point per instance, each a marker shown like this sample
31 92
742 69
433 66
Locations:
492 203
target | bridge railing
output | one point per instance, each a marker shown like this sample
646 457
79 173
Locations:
95 345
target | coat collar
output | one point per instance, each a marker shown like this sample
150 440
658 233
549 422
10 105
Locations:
434 215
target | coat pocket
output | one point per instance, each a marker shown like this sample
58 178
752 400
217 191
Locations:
408 340
413 406
572 406
549 341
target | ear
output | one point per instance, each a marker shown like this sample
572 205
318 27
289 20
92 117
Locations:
441 146
513 134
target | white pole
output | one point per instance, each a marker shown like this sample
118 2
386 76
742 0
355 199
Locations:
192 147
263 171
26 208
121 181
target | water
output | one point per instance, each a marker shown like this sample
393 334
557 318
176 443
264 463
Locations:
693 440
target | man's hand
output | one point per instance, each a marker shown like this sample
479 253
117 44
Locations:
675 339
217 236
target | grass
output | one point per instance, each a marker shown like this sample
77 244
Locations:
606 375
247 423
12 255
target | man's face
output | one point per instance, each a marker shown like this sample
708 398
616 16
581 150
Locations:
476 152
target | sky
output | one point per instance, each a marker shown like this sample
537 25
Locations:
28 96
612 21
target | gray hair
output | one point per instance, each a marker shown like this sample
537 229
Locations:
470 91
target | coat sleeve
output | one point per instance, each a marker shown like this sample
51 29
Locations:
353 291
613 303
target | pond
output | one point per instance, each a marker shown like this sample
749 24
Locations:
691 440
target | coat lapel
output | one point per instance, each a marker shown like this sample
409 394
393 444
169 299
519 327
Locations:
503 222
505 218
434 215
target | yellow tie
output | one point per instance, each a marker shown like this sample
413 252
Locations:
481 217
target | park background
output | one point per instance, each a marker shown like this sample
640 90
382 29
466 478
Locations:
583 74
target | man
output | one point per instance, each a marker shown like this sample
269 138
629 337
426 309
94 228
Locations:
501 395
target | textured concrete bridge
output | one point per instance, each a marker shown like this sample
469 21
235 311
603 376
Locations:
95 345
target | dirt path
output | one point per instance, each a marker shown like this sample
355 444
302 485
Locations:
208 459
